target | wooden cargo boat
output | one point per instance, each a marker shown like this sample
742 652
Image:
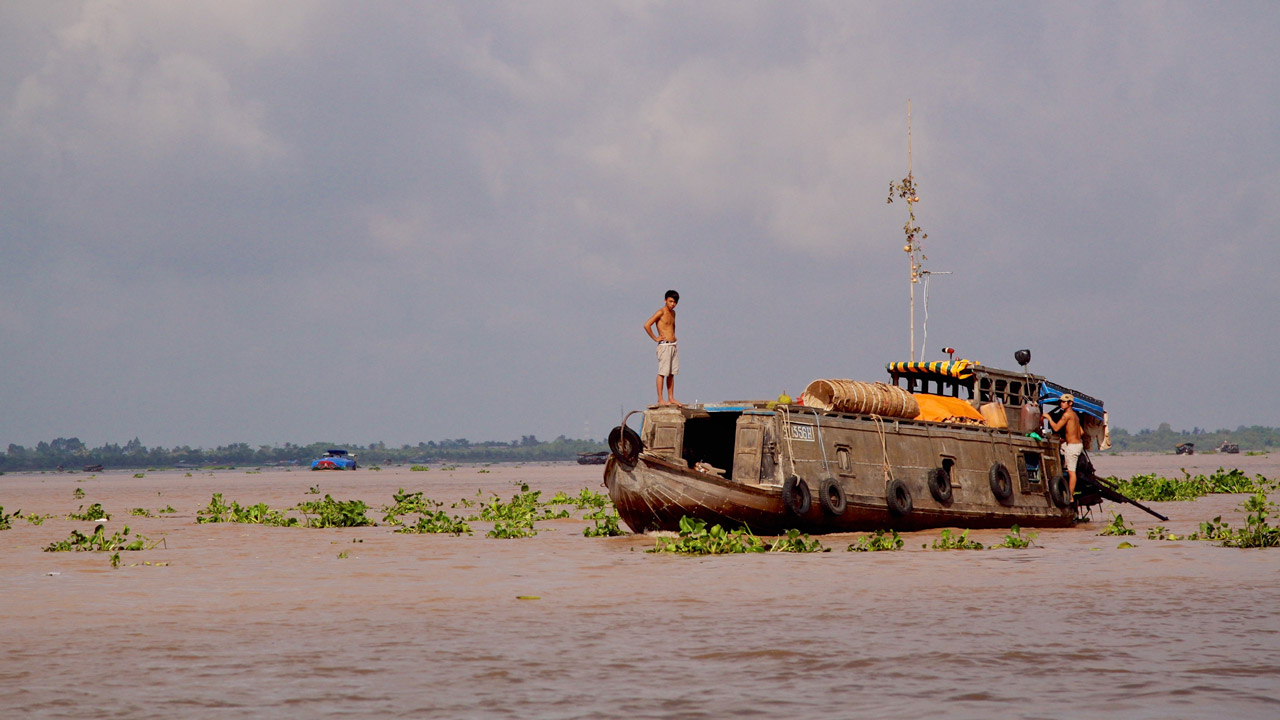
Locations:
777 466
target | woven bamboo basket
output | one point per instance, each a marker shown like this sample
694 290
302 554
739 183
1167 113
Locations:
853 396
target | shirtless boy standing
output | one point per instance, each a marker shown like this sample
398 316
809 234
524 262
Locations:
665 336
1074 436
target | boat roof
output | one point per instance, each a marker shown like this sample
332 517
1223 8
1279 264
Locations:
335 451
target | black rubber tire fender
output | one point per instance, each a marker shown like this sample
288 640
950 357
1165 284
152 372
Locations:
898 497
940 485
796 496
1001 483
624 443
1059 491
831 496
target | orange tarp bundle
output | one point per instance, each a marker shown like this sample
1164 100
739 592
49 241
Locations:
937 408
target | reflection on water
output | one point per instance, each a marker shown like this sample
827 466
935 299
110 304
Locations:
251 621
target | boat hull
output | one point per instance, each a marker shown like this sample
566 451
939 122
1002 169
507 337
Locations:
867 458
653 495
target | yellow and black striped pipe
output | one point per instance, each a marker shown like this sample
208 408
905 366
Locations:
958 369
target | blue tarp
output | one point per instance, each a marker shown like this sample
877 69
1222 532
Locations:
1051 393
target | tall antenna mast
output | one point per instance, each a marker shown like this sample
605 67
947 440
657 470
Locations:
915 253
910 248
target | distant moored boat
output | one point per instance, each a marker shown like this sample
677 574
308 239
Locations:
334 459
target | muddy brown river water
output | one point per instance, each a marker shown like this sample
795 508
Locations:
233 620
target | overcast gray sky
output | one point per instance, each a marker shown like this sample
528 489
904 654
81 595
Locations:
274 221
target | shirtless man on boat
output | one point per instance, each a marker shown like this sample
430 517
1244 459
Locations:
664 322
1074 438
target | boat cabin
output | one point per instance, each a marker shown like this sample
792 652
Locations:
733 440
1003 390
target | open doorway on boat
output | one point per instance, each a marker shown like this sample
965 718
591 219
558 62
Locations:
710 440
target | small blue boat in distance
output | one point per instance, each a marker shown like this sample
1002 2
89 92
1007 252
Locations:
334 459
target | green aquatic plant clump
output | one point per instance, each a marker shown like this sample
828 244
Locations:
796 542
1256 533
879 541
1214 529
98 542
606 524
438 521
260 514
219 511
515 519
1117 526
583 500
431 519
560 498
408 502
947 541
330 513
1157 488
1016 540
95 512
524 504
512 519
508 529
1235 481
697 539
6 519
216 511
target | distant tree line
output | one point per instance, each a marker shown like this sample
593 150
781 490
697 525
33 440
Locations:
1164 438
72 454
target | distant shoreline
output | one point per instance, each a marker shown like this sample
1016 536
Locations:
72 455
